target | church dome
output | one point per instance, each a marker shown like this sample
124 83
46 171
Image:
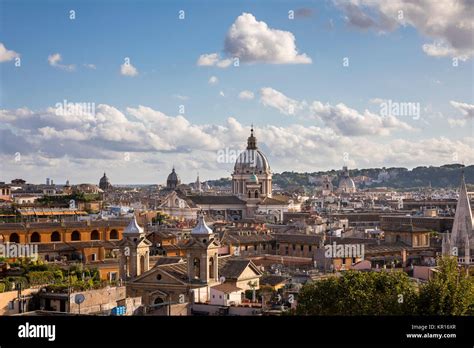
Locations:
104 182
346 183
173 180
251 160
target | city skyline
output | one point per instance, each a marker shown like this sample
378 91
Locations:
325 84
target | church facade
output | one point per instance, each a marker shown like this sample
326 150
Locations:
251 192
172 287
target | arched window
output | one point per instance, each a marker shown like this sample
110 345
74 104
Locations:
197 268
95 235
158 301
35 237
75 235
14 238
211 267
55 237
114 234
256 193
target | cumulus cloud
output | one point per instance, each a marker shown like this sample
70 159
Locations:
213 59
55 60
253 41
272 98
466 109
348 121
130 143
449 23
340 118
455 122
127 69
213 80
246 95
6 55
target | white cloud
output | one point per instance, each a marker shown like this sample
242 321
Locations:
466 110
127 69
455 122
348 121
90 66
80 146
6 55
246 95
221 93
213 80
340 118
253 41
213 59
272 98
55 60
449 23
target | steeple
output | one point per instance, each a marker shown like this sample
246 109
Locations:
198 184
462 225
251 141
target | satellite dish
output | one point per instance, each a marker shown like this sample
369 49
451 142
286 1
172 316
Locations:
79 298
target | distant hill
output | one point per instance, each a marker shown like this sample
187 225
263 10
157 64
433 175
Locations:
446 176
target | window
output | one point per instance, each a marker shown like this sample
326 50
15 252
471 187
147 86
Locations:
286 250
310 247
158 277
75 235
220 296
264 246
294 246
113 276
246 247
35 237
255 247
93 257
211 267
95 235
114 234
55 237
213 296
14 238
301 247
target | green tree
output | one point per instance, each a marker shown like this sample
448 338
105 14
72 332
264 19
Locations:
450 292
359 293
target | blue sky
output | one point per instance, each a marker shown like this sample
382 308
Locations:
384 63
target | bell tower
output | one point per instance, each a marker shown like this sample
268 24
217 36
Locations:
134 251
202 254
